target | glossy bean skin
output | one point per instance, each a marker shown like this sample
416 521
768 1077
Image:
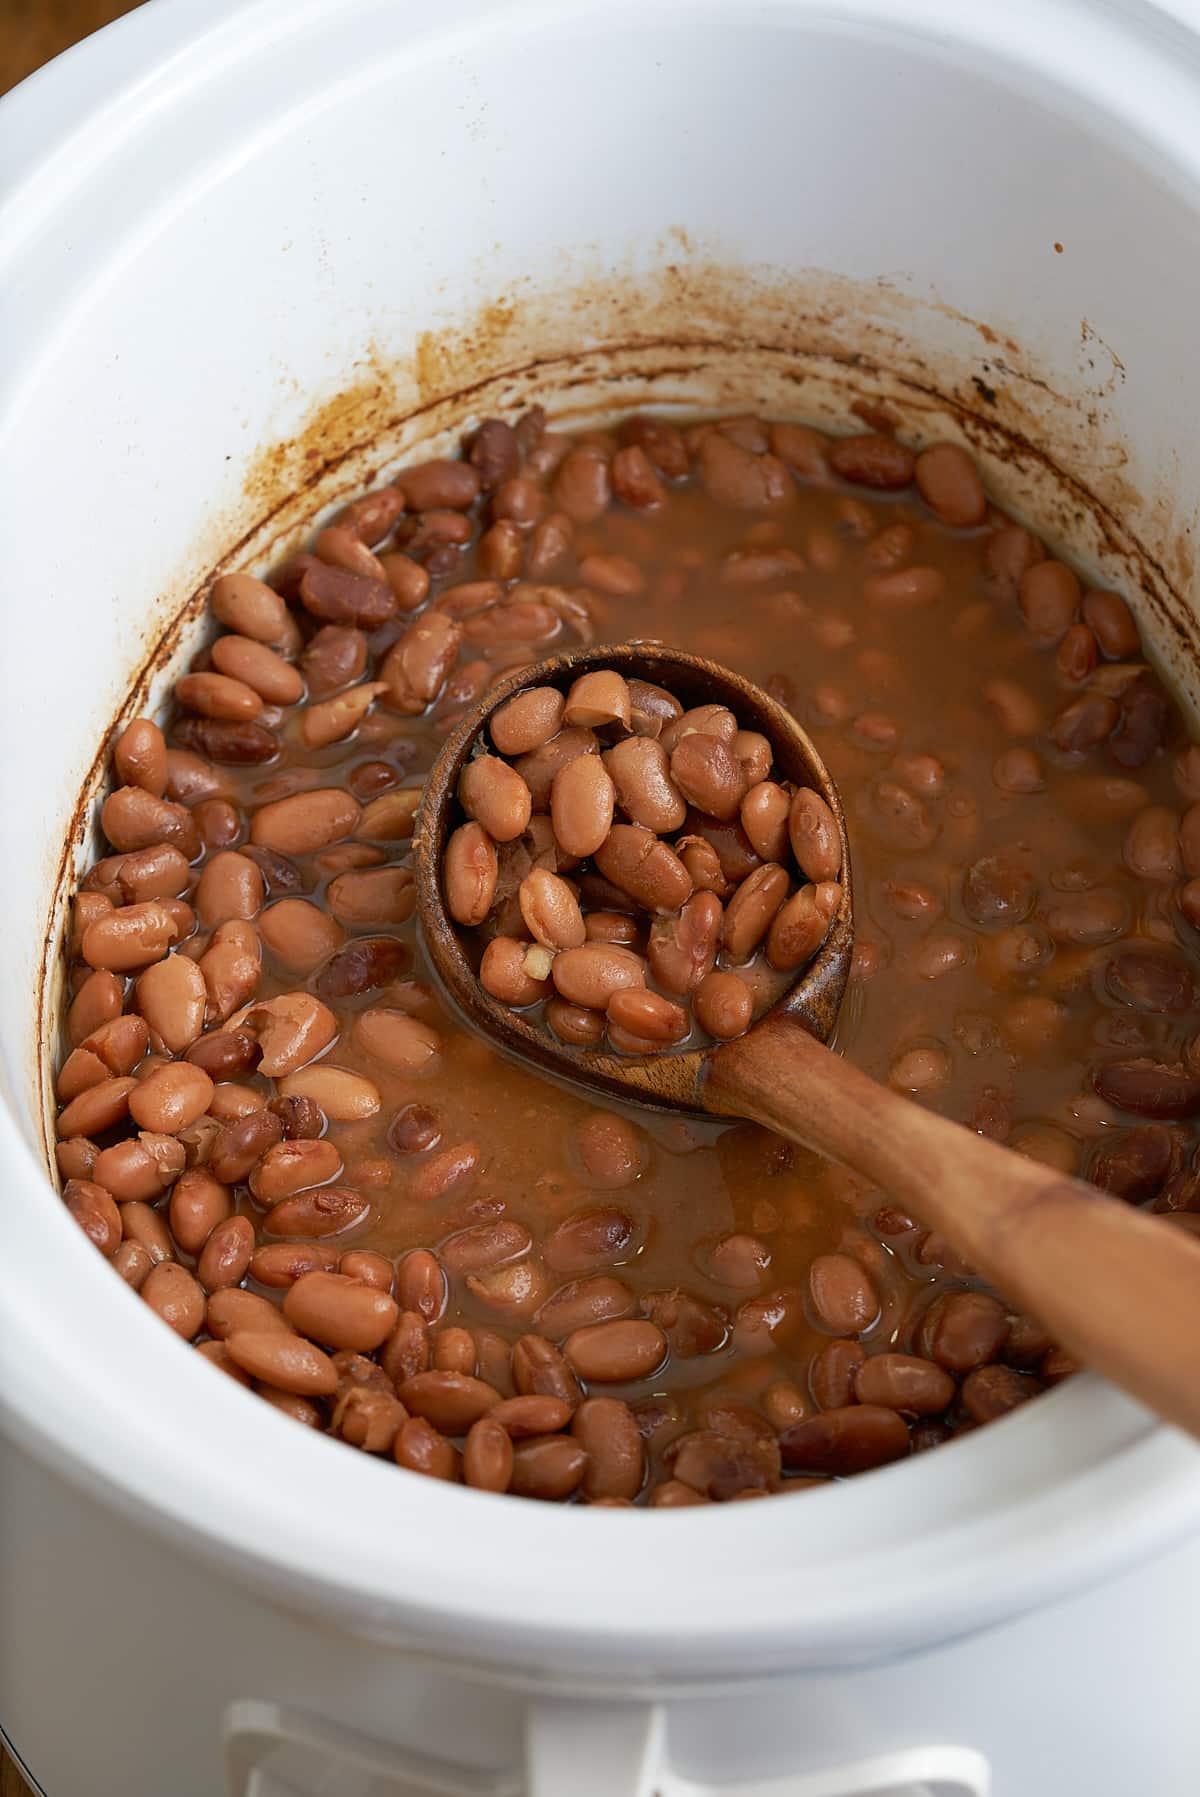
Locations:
527 721
551 911
949 483
645 867
340 1312
814 838
905 1383
494 795
590 974
582 796
682 949
616 1352
173 1294
471 873
606 1430
843 1299
283 1360
840 1442
751 910
547 1467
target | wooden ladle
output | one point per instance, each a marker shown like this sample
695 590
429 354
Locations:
1118 1288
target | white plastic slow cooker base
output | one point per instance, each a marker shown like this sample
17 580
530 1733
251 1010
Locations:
217 217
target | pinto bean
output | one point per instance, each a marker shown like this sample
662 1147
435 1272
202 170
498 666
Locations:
842 1295
1085 723
298 934
250 607
616 1352
294 1166
588 976
948 481
1112 623
283 1360
637 862
98 1001
616 1461
765 815
582 796
471 872
241 1144
720 1468
93 1209
225 1257
140 757
292 1028
1143 723
962 1330
540 766
1134 1166
799 927
683 948
127 937
141 1223
453 1170
547 1467
176 1297
198 1203
872 460
483 1246
648 1015
313 1215
262 669
737 477
494 795
707 774
840 1442
723 1005
1049 598
452 1402
138 1169
340 1312
344 1096
1086 917
306 821
752 909
906 1383
528 720
1152 981
1149 1088
76 1157
171 1097
813 833
551 911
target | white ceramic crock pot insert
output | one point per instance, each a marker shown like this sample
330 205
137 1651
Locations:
221 216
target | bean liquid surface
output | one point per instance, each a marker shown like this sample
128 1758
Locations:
283 1140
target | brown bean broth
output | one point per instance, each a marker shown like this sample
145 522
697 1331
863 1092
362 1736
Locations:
923 668
814 641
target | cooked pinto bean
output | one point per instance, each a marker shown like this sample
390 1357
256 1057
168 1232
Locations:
305 821
839 1442
471 873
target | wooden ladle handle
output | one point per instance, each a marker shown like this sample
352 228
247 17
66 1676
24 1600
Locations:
1118 1288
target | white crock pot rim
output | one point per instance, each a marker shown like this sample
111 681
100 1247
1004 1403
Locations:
280 1504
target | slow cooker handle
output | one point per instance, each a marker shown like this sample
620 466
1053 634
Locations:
574 1748
596 1749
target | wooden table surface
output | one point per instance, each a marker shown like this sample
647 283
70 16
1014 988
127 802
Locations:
31 32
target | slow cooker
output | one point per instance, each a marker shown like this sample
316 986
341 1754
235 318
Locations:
252 254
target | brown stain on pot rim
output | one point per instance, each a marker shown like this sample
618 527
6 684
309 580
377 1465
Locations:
694 334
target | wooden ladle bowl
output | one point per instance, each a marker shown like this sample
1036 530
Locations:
1118 1288
669 1081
